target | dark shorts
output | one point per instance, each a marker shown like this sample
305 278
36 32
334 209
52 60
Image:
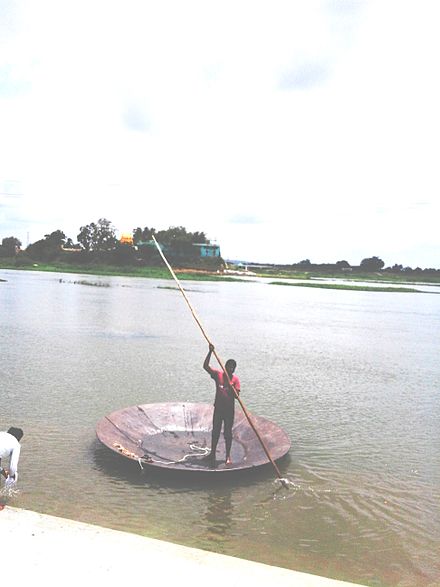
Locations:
223 414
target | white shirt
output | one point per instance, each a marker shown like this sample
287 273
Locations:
10 447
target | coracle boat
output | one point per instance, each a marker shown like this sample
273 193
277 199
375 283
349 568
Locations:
177 436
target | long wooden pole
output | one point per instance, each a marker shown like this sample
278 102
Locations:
196 318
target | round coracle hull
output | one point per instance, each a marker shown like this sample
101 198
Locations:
178 436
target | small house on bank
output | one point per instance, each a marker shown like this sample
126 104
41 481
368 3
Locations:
194 250
206 250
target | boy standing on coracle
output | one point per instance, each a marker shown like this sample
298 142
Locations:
224 404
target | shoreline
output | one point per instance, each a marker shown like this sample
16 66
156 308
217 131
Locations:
415 277
52 549
312 280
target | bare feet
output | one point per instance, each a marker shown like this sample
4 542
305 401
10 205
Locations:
228 461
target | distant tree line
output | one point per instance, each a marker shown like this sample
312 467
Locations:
97 243
367 265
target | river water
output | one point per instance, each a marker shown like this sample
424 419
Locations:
352 377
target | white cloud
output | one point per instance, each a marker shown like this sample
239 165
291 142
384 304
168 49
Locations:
313 124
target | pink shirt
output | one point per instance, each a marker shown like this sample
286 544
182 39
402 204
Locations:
224 396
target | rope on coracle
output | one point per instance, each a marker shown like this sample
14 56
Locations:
197 451
203 451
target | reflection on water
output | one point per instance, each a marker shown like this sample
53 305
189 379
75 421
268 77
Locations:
218 518
353 378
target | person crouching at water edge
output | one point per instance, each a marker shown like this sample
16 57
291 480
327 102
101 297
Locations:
224 404
10 448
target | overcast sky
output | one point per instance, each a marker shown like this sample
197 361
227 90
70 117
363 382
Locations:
285 130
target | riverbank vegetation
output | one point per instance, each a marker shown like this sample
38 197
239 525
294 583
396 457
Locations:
411 277
113 270
98 252
304 279
345 286
370 269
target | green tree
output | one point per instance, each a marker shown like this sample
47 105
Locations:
342 264
56 238
10 246
372 264
199 238
98 237
179 242
174 234
86 235
69 243
47 248
397 268
142 234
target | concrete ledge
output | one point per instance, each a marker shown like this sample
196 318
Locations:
55 551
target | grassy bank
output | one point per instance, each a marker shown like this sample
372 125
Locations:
350 287
356 277
128 271
205 275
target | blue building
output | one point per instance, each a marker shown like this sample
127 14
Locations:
195 250
206 250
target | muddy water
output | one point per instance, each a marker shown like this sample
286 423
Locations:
353 378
